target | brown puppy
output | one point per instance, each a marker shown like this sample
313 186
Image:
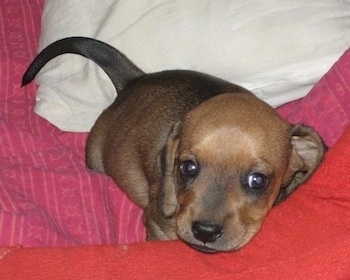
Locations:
204 158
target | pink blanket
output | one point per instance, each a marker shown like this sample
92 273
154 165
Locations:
47 195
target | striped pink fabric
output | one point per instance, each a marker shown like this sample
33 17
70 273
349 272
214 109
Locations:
47 195
327 106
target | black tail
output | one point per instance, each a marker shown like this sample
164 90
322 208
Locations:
117 66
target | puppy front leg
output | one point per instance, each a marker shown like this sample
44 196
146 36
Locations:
158 227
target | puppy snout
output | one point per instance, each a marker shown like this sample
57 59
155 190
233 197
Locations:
206 232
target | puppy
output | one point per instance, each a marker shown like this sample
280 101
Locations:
203 157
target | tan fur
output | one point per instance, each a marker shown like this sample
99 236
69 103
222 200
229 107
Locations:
245 145
203 157
230 135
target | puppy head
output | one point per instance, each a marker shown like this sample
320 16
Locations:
234 159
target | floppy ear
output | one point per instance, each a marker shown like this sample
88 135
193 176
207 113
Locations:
168 203
307 153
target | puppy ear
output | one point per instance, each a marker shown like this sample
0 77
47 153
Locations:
168 203
307 153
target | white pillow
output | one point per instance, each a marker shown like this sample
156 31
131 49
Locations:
277 49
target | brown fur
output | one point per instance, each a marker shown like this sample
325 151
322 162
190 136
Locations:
204 158
230 135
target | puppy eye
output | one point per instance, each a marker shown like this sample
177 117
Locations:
257 181
189 168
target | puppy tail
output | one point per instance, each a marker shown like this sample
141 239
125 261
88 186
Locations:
117 66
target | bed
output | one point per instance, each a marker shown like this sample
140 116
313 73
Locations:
59 220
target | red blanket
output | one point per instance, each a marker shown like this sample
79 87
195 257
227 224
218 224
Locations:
307 237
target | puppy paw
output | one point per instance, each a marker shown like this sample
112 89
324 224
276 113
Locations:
169 210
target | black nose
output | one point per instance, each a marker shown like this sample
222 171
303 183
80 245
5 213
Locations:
206 231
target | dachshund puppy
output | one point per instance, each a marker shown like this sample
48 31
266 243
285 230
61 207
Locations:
204 158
